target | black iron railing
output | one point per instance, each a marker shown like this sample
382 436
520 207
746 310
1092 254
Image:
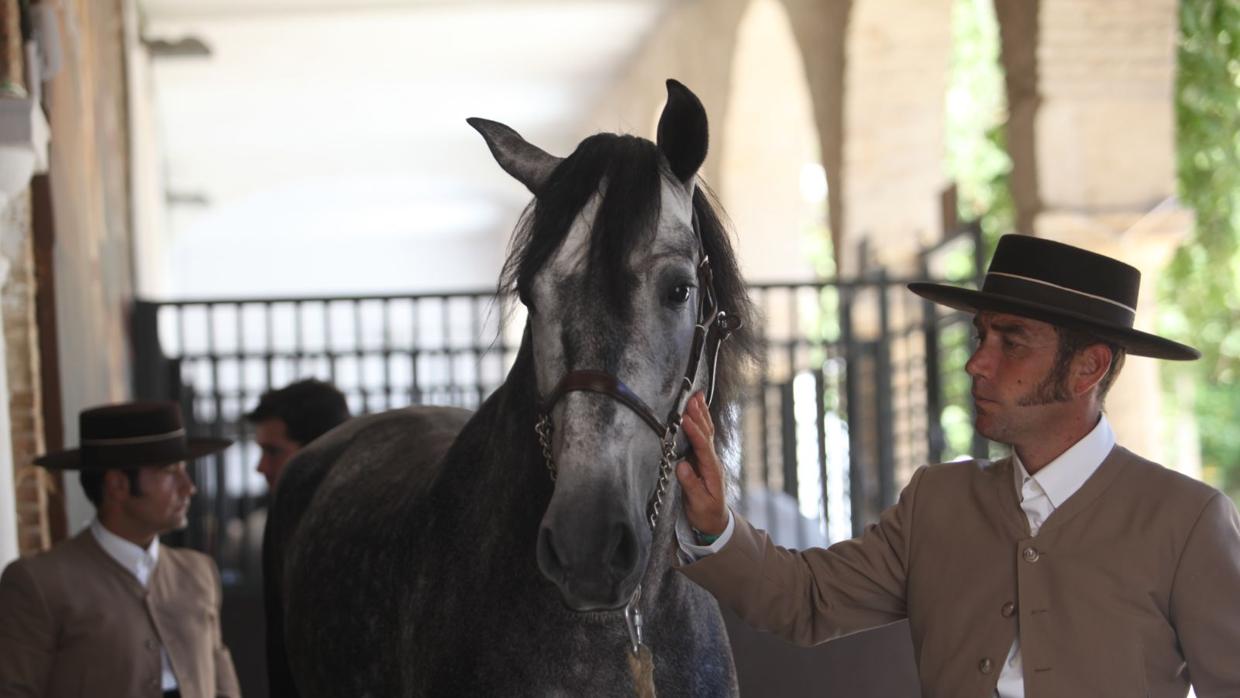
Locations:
848 399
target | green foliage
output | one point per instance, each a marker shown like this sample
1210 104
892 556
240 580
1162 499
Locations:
1200 296
977 155
978 162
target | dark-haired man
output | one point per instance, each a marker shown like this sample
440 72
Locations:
287 419
111 612
1071 568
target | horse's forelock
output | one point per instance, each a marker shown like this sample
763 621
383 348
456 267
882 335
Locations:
626 170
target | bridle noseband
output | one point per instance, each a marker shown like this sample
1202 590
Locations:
714 325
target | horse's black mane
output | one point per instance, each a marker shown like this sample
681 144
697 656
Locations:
631 169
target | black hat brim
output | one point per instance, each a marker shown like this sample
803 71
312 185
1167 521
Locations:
1133 341
71 459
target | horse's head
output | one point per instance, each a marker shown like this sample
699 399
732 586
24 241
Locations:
607 260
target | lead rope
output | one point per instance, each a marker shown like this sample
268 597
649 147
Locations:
641 661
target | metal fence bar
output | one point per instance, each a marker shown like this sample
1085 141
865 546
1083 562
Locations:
882 402
820 431
856 466
428 359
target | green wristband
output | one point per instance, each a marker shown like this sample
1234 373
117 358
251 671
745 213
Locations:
704 538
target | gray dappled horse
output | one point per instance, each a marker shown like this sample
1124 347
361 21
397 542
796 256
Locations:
431 552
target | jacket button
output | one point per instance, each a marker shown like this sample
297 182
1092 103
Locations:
1008 610
1031 554
150 644
985 666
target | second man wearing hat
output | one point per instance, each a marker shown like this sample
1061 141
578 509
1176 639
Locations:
112 613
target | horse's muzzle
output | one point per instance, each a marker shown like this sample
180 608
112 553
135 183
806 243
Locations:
595 565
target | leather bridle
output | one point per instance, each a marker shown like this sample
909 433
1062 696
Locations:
714 326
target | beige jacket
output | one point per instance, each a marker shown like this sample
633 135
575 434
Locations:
75 623
1131 588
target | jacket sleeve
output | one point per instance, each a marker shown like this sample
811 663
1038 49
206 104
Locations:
27 635
1205 602
226 684
811 596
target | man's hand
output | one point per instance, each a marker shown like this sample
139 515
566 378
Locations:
702 482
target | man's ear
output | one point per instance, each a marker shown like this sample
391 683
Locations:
1090 366
115 485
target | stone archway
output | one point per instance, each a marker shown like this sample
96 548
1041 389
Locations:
772 180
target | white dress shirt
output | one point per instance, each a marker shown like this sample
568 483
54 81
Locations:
1039 496
140 563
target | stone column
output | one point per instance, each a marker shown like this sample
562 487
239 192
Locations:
8 476
895 85
1092 139
820 28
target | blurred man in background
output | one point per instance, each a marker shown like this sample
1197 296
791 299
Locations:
287 419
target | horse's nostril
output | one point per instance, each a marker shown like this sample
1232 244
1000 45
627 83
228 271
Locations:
548 559
622 550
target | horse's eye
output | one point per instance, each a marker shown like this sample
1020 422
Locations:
680 293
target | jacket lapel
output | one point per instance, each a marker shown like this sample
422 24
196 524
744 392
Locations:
1004 484
91 550
1093 488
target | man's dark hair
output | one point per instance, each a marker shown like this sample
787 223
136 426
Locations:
1071 341
309 408
92 483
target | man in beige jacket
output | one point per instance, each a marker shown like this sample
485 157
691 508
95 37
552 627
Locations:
111 613
1071 568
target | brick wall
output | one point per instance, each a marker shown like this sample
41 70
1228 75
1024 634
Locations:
22 364
90 209
21 354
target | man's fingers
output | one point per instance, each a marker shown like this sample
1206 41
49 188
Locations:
703 450
702 485
689 481
699 413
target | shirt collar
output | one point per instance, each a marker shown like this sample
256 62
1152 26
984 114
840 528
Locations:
1062 477
136 560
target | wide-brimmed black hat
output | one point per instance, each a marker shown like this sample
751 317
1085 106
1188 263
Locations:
131 435
1063 285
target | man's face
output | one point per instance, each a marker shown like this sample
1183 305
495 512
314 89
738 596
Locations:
164 500
1017 394
272 437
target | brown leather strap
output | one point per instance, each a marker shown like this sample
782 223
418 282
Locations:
603 384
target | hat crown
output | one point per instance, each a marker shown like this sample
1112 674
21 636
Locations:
130 420
1064 286
131 435
1068 267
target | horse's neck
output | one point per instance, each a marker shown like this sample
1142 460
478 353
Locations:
493 480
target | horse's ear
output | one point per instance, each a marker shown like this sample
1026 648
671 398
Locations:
528 163
683 136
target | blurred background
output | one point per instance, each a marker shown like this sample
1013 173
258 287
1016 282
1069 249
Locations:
204 199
